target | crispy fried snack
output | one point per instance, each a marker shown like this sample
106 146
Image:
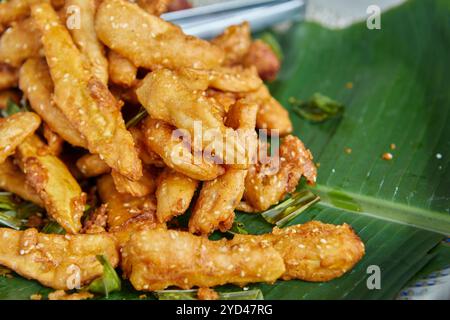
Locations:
8 76
261 56
56 261
147 156
313 251
14 10
60 192
149 41
55 143
12 179
126 214
14 130
173 194
267 184
234 79
215 205
91 165
20 42
176 154
144 186
86 39
37 85
157 259
85 100
121 70
235 42
271 114
154 7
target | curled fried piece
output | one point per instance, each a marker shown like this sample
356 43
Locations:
85 38
126 214
56 261
144 186
271 114
60 192
173 194
176 154
20 42
37 85
157 259
12 179
91 165
121 70
235 42
261 56
267 184
313 251
14 130
84 100
149 41
215 205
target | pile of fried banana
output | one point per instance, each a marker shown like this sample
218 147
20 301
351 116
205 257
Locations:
86 69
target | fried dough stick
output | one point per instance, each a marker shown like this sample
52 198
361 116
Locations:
173 194
14 130
157 259
20 42
149 41
175 154
60 192
313 251
56 261
126 214
85 100
267 184
37 85
86 39
12 179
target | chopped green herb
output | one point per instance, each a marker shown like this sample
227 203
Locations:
238 228
269 39
14 213
53 227
11 108
284 212
192 295
108 282
318 109
137 118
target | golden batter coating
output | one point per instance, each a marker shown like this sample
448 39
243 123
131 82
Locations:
56 261
157 259
313 251
235 41
267 184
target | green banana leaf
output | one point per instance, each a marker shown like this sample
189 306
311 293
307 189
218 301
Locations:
400 95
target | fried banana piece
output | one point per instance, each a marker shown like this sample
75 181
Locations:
20 42
91 165
126 214
37 85
147 156
313 251
176 154
235 42
149 41
215 205
8 76
271 114
157 259
14 130
14 10
121 70
262 57
85 100
144 186
56 261
12 179
55 143
235 79
267 184
86 39
60 192
173 194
